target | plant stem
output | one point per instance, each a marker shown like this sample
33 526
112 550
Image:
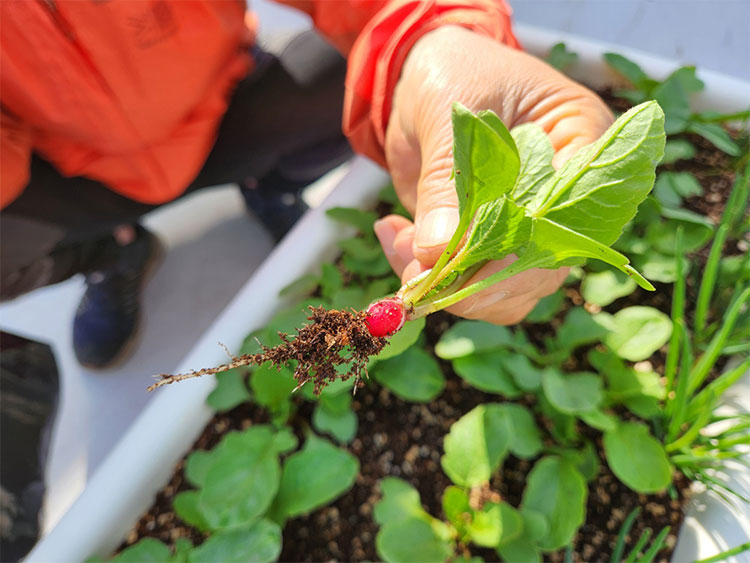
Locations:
709 279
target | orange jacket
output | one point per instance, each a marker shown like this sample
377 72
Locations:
131 92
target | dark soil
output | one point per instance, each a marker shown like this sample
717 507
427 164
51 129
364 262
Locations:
403 439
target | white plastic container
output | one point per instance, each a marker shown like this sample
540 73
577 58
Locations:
127 481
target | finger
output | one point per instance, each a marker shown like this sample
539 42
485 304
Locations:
396 236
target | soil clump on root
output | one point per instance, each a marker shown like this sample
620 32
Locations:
333 338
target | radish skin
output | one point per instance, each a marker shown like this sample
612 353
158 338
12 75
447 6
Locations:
386 317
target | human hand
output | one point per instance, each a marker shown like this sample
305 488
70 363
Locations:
455 64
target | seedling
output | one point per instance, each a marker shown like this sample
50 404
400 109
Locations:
511 201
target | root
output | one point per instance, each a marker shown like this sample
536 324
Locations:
332 339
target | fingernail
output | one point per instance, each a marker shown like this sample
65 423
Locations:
484 301
436 228
386 235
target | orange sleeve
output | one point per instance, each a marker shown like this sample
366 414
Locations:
15 155
376 35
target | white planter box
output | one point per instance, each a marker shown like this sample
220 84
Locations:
142 462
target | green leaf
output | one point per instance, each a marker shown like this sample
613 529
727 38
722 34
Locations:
411 541
330 417
559 57
557 490
659 267
637 458
272 386
197 465
637 332
355 217
585 459
547 308
717 135
486 158
301 287
598 190
578 329
284 441
331 280
639 391
182 549
525 375
413 375
677 149
599 419
520 549
187 506
499 228
673 96
241 483
573 393
476 445
535 152
469 337
671 187
486 527
602 288
512 523
486 372
313 477
456 508
230 391
259 543
525 438
361 249
535 524
661 236
402 340
146 550
627 68
400 501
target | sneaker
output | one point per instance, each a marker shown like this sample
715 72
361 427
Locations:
106 321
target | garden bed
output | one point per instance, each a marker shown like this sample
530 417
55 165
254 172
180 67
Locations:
401 439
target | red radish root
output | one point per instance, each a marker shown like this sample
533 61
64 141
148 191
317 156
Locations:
386 317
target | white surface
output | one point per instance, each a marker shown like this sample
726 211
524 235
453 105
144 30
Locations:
182 299
143 459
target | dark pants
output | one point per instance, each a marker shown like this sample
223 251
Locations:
283 121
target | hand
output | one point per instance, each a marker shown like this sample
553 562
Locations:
455 64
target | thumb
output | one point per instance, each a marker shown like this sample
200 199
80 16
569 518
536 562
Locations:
436 213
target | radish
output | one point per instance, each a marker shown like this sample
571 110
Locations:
386 317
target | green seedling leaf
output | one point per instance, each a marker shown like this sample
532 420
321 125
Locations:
187 507
661 236
715 134
411 541
547 308
673 97
241 483
476 445
535 152
313 477
525 439
486 527
640 391
572 393
600 420
457 510
627 68
182 549
615 173
535 524
525 375
636 332
486 371
602 288
585 459
147 550
197 465
360 249
357 218
677 149
230 391
672 187
559 57
512 523
350 298
486 158
285 441
659 267
331 281
637 458
377 266
402 340
556 490
301 287
520 549
578 329
413 375
400 501
261 543
272 387
334 416
470 337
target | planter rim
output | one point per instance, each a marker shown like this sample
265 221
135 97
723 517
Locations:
141 463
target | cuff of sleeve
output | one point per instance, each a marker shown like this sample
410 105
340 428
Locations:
378 54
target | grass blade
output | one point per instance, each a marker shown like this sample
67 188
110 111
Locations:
633 557
717 387
624 531
708 281
655 546
726 554
677 407
678 314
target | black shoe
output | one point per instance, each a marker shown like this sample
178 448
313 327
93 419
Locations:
107 318
276 197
